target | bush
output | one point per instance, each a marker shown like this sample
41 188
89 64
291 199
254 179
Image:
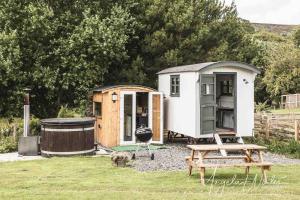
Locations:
5 130
261 107
290 148
65 112
7 127
35 126
7 144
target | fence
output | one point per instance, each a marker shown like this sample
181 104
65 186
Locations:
280 126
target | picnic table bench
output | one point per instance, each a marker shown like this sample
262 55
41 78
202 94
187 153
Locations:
199 153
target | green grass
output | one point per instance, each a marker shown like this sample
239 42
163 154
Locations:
286 111
96 178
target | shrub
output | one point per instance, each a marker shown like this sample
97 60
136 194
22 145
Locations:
5 130
7 144
290 148
261 107
65 112
35 126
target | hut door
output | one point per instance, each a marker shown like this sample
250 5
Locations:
207 103
127 117
156 116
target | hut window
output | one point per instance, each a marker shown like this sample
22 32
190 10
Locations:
98 109
207 89
227 87
175 85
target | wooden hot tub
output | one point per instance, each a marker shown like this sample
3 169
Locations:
67 136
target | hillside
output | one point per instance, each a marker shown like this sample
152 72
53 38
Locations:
276 28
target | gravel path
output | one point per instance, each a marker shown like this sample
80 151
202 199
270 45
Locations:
173 158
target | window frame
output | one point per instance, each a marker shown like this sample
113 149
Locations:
176 85
227 86
100 110
208 89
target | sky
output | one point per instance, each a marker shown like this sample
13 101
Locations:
269 11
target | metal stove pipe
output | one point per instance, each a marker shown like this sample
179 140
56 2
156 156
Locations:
26 131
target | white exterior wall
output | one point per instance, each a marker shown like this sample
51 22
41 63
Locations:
180 112
245 98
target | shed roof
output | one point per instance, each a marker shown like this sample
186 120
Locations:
200 66
108 87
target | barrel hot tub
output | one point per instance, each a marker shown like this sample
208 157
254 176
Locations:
67 136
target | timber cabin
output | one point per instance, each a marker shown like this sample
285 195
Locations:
120 109
207 98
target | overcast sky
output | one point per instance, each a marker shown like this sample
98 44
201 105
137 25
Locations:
269 11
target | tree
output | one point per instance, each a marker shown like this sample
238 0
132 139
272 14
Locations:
181 32
65 48
10 75
280 72
282 75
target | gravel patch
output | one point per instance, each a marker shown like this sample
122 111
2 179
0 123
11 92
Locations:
173 158
14 156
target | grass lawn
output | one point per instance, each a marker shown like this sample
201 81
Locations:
95 178
286 111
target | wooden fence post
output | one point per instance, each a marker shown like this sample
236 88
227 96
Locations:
297 129
14 131
268 128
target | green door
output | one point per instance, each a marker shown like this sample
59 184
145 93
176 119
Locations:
207 103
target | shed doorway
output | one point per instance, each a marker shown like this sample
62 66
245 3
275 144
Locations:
140 109
128 117
226 102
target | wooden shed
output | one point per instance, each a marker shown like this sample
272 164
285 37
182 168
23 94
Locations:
207 98
290 101
120 109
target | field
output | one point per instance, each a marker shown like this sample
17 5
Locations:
95 178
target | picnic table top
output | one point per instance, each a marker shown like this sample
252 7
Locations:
215 147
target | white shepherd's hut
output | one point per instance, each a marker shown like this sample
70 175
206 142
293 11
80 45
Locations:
207 98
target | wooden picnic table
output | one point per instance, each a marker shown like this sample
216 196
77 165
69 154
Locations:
199 153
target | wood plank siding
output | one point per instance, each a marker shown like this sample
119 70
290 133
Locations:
107 131
156 109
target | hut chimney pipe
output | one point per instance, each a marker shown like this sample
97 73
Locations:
26 112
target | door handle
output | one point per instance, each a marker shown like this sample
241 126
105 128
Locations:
99 126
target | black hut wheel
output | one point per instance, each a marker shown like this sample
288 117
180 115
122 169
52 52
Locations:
152 156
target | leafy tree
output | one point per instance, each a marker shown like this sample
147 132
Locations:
10 76
62 49
181 32
282 75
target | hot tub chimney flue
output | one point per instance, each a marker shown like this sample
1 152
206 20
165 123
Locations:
26 112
